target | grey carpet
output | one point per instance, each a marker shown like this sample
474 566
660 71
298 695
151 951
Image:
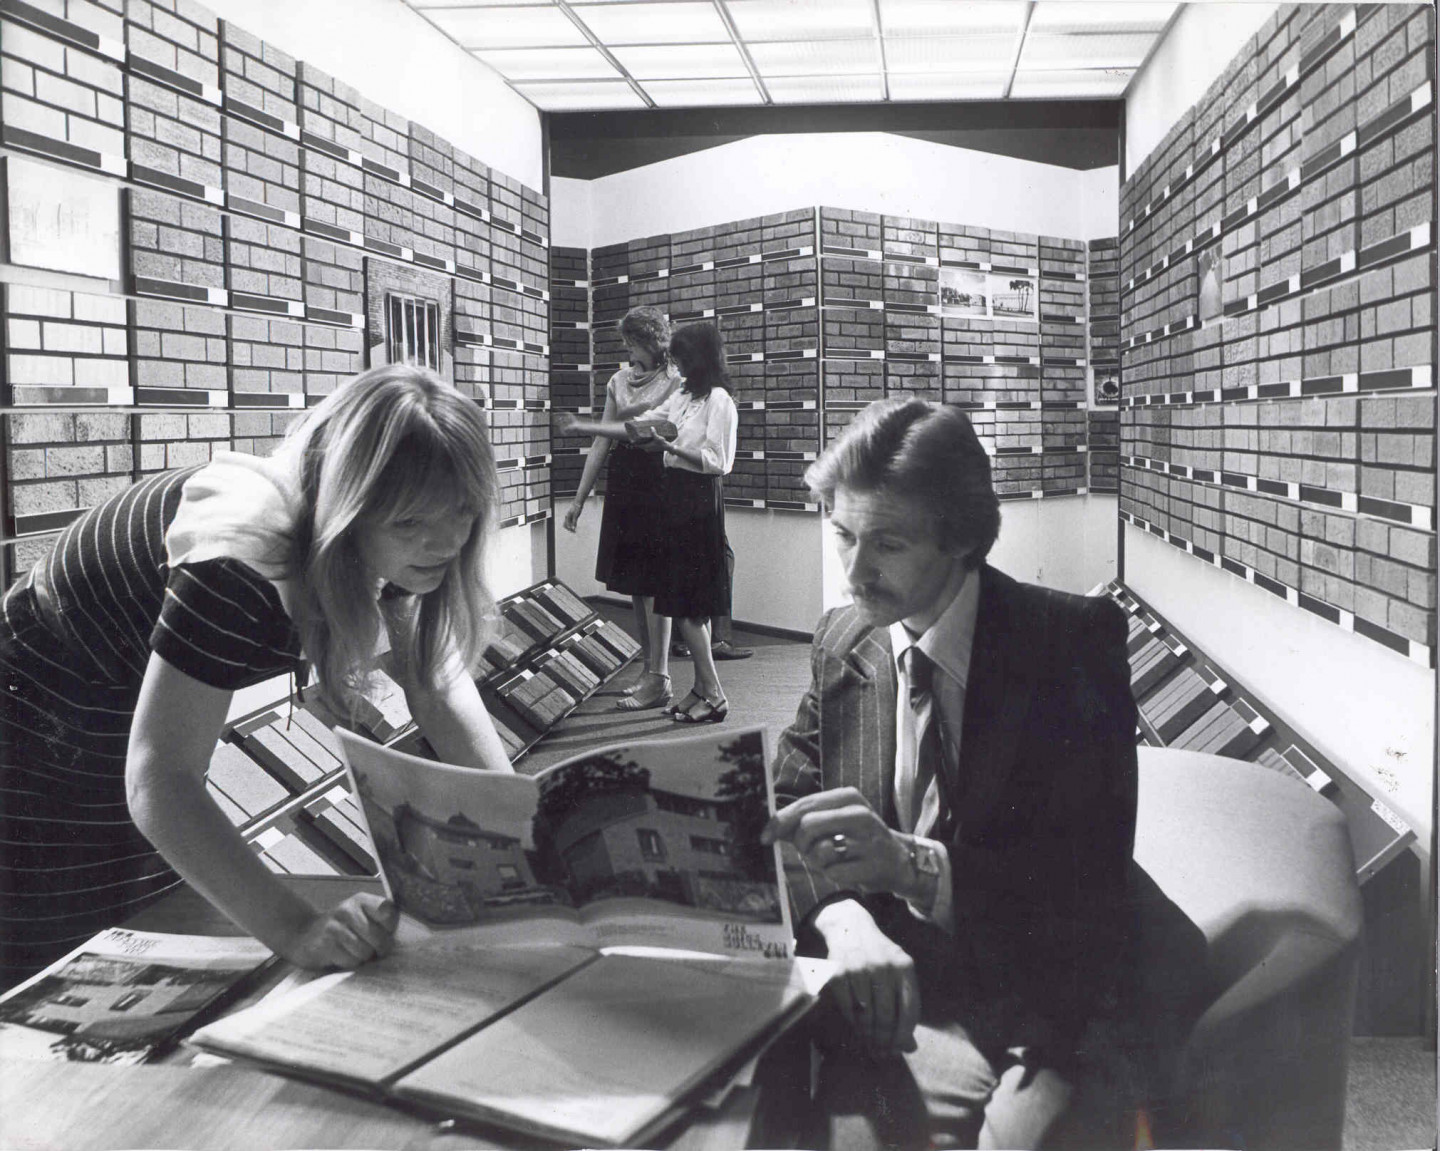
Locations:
1390 1104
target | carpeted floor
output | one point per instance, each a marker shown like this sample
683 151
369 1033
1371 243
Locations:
1391 1100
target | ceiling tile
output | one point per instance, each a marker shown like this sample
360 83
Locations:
948 86
941 17
699 93
817 58
549 63
508 27
1100 16
684 22
1088 85
567 97
1066 50
422 5
988 53
801 19
682 61
824 89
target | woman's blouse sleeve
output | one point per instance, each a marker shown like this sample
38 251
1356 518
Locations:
722 425
223 624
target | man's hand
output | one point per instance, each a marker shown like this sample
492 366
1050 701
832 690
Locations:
841 836
565 423
361 928
874 986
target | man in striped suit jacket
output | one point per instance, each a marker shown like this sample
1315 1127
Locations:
958 806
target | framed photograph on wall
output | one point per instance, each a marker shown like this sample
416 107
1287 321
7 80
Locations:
1013 297
964 293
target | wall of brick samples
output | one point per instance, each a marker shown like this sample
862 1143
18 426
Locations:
1277 267
825 309
260 197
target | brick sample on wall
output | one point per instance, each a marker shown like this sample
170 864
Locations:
64 347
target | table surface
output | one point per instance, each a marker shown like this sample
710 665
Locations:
90 1107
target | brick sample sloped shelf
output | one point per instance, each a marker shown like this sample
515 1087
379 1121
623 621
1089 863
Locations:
1186 700
277 772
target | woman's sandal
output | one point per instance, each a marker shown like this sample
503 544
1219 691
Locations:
641 702
712 713
690 699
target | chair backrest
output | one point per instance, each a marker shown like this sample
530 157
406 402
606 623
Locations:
1262 866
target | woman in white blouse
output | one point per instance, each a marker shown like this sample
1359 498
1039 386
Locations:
698 451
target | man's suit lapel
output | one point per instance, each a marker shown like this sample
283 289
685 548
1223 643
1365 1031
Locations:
857 716
997 696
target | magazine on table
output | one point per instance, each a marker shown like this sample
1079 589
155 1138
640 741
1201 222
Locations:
580 951
123 996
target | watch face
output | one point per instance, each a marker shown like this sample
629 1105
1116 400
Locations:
923 859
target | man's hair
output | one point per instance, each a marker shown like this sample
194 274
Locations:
699 352
904 447
647 328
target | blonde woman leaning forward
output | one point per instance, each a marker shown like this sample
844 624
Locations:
627 559
119 654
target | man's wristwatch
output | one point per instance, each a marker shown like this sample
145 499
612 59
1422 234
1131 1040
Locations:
925 869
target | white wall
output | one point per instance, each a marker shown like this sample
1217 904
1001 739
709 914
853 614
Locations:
868 171
393 56
1199 46
1359 703
570 212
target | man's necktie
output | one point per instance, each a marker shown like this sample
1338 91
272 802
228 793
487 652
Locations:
922 812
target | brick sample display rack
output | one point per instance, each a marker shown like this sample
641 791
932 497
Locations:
826 309
278 775
260 212
1186 700
1277 261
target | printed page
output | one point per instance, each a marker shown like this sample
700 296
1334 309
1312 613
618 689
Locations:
122 996
369 1025
606 1052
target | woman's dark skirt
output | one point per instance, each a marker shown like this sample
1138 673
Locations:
695 583
72 862
627 560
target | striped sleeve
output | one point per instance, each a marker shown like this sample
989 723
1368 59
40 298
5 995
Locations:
223 624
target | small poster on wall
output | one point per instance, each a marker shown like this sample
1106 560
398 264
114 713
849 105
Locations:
988 295
61 220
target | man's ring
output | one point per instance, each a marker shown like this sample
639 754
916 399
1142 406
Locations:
839 844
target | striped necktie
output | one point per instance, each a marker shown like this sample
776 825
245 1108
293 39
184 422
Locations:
920 801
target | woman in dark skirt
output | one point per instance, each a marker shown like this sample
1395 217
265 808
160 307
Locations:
626 560
694 583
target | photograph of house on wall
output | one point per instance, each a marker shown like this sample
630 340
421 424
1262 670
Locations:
652 843
968 294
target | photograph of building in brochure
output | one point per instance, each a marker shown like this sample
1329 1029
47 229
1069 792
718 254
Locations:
674 824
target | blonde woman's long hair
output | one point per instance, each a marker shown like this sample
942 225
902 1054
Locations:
393 441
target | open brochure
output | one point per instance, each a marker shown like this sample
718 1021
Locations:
123 996
581 951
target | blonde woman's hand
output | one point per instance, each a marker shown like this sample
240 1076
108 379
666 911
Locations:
360 929
572 513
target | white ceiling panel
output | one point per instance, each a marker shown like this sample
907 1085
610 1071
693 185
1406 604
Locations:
692 52
550 63
802 19
559 96
987 53
702 93
507 27
1076 50
816 58
824 89
1100 16
690 22
682 61
942 17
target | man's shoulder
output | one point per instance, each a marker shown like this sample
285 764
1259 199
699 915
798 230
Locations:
1048 611
842 629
